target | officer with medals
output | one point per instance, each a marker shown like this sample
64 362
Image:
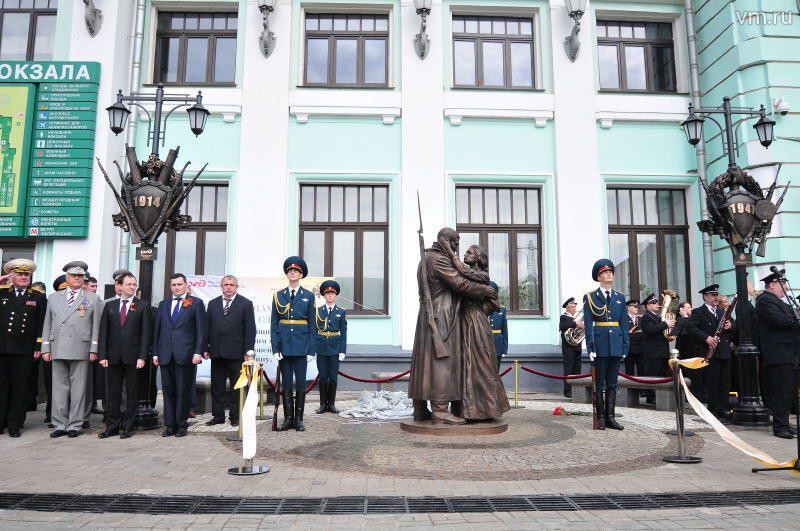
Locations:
293 332
499 321
570 354
331 345
606 339
22 311
656 344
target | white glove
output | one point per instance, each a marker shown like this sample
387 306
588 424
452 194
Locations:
592 356
311 358
278 356
341 356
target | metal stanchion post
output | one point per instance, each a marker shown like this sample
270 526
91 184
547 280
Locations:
516 387
261 378
248 469
681 458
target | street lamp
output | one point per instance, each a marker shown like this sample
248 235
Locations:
741 214
575 10
422 43
266 40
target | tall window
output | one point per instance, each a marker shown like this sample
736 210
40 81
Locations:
196 48
347 50
200 248
344 234
648 240
493 52
507 223
636 56
27 29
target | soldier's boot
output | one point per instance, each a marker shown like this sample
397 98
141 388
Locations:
323 397
288 411
441 414
421 411
298 410
332 397
611 402
601 410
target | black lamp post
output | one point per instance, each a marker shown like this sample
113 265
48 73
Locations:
152 195
742 215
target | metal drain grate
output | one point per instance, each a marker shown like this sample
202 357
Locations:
135 503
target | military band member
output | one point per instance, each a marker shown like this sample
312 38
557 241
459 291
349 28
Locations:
70 342
499 322
702 326
292 335
22 312
634 361
331 323
780 348
570 354
656 345
606 339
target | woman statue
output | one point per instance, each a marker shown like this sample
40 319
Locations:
484 396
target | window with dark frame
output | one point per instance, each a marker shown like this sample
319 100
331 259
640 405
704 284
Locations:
493 52
344 234
195 49
27 29
636 56
648 240
346 50
506 222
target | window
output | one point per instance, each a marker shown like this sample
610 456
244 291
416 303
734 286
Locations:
200 248
648 240
196 48
507 223
27 30
347 50
636 56
493 52
344 234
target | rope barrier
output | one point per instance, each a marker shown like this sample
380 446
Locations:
508 370
555 376
272 384
369 380
644 380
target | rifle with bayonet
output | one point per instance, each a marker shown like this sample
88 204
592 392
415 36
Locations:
439 348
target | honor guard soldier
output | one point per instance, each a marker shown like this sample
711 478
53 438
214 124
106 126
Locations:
292 336
702 327
780 348
570 354
606 339
499 322
634 362
331 345
22 312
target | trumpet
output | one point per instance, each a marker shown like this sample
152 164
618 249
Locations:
574 336
667 296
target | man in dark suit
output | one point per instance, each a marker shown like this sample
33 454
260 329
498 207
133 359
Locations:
570 354
125 329
178 344
634 362
231 325
654 343
780 348
702 326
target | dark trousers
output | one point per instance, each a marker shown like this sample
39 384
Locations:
607 373
634 364
99 376
718 384
193 390
115 376
781 382
33 384
656 367
176 383
153 383
572 365
294 366
222 395
15 372
328 367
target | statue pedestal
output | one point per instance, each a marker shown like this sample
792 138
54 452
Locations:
427 427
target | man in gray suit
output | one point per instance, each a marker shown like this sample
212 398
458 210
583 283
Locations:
71 327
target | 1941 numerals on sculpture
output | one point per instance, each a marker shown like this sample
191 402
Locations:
741 208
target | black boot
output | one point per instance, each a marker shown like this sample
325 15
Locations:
332 397
611 402
298 411
288 411
421 411
601 420
323 397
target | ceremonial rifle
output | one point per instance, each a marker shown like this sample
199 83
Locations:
439 349
277 397
595 413
720 327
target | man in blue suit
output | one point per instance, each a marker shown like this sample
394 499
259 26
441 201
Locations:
293 334
499 322
178 344
331 345
606 325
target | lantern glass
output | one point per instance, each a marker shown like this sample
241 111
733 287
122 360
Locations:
765 130
423 4
269 4
576 6
693 127
117 117
197 118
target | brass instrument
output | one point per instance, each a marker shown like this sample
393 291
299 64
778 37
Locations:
667 297
574 336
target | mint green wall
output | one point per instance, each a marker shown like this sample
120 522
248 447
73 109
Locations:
63 36
498 145
647 148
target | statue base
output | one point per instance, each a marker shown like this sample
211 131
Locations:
427 427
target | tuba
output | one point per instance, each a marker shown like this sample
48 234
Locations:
667 297
574 336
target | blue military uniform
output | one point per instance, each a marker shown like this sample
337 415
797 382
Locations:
292 335
331 324
606 325
499 322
